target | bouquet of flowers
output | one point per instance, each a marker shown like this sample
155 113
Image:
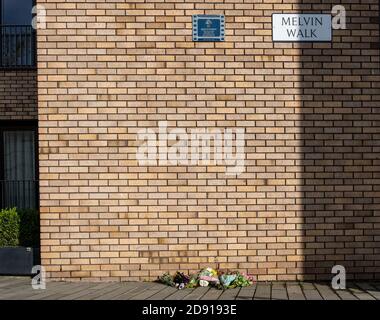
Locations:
208 277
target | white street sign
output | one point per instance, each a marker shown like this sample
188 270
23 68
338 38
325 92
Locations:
301 27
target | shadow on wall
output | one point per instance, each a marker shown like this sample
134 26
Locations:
340 141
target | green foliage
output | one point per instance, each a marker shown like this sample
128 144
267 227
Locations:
167 279
241 281
19 228
9 228
213 278
193 283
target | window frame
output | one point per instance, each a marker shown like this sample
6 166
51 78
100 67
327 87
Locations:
1 11
33 66
11 125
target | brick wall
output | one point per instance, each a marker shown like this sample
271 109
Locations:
309 196
18 95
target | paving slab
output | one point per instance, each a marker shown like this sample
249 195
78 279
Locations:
52 288
180 294
279 291
246 293
229 294
9 283
345 295
326 292
279 294
359 293
197 293
136 288
294 291
312 294
371 289
212 294
162 294
93 293
19 288
148 292
263 291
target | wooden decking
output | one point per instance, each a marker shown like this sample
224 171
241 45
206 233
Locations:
20 289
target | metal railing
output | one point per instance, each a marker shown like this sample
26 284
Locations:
22 194
17 46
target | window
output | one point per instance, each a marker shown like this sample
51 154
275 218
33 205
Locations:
17 37
16 12
18 170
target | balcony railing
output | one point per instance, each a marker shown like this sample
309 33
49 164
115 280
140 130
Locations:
17 47
22 194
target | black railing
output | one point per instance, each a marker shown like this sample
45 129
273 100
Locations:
17 47
22 194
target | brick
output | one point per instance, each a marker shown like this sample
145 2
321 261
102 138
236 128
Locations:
309 112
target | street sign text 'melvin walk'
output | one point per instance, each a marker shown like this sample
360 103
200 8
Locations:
301 27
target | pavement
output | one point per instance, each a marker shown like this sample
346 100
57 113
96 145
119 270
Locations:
20 288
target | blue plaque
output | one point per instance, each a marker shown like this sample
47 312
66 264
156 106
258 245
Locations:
208 27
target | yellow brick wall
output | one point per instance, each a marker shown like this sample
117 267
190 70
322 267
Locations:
309 196
18 95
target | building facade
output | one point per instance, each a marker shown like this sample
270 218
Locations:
18 106
108 71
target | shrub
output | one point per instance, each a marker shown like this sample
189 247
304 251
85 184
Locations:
9 228
29 235
19 228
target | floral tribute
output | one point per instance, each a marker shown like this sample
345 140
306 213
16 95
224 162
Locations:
208 277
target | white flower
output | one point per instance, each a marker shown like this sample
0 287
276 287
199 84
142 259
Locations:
203 283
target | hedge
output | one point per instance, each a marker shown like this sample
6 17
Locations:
19 228
9 228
